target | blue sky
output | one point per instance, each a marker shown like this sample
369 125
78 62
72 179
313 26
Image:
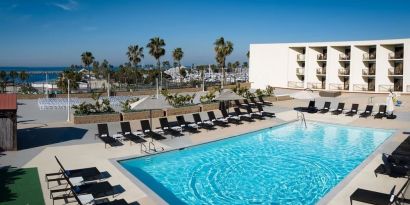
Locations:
56 32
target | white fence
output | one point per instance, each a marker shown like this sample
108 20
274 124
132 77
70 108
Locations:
56 103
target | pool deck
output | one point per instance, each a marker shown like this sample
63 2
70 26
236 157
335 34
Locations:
79 149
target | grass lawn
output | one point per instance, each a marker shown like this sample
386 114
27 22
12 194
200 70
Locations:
20 187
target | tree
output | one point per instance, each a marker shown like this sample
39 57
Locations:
68 74
23 76
222 50
3 80
156 50
166 64
135 54
87 58
96 69
178 54
13 75
183 73
247 54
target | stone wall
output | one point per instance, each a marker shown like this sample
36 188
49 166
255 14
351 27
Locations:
141 115
100 118
183 110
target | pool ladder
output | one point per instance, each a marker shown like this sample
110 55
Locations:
301 118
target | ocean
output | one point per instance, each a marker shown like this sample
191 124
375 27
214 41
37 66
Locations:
37 74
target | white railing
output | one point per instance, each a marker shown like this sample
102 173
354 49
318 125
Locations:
344 71
367 56
315 86
362 87
395 71
395 55
301 57
321 71
386 88
335 86
56 103
293 84
300 71
367 71
321 57
344 57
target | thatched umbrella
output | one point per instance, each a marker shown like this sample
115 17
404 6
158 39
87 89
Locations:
151 103
228 95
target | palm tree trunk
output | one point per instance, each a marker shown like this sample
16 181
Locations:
160 73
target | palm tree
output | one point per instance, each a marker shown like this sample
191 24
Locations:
135 55
222 50
178 54
87 58
247 54
23 76
156 50
13 75
3 80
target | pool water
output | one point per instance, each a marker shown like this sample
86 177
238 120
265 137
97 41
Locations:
287 164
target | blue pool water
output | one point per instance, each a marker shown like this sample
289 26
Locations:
286 164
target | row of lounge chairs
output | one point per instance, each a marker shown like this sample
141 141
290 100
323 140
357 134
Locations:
177 128
84 186
352 112
396 164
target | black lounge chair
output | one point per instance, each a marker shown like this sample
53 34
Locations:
247 103
231 119
167 128
255 115
239 104
90 200
223 122
381 113
146 129
367 112
246 117
353 111
339 109
263 101
372 197
255 102
187 126
391 169
311 108
326 108
127 133
104 135
264 113
88 174
203 124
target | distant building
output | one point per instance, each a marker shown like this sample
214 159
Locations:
355 66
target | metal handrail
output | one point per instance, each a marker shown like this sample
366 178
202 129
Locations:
300 116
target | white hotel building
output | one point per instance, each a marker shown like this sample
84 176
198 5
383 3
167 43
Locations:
355 66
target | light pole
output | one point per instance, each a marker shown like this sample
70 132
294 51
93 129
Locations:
68 101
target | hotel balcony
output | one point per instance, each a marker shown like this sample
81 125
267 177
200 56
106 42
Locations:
369 57
344 57
363 87
369 72
395 72
321 57
396 56
300 71
334 86
293 84
300 57
315 86
321 71
386 88
344 71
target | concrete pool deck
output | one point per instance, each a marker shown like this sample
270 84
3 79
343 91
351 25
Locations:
79 149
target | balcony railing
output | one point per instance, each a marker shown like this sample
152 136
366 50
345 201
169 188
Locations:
395 71
334 86
301 57
315 86
344 57
321 71
300 71
362 87
321 57
395 56
386 88
344 71
369 57
293 84
368 72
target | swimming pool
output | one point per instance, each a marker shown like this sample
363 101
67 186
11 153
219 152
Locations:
287 164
